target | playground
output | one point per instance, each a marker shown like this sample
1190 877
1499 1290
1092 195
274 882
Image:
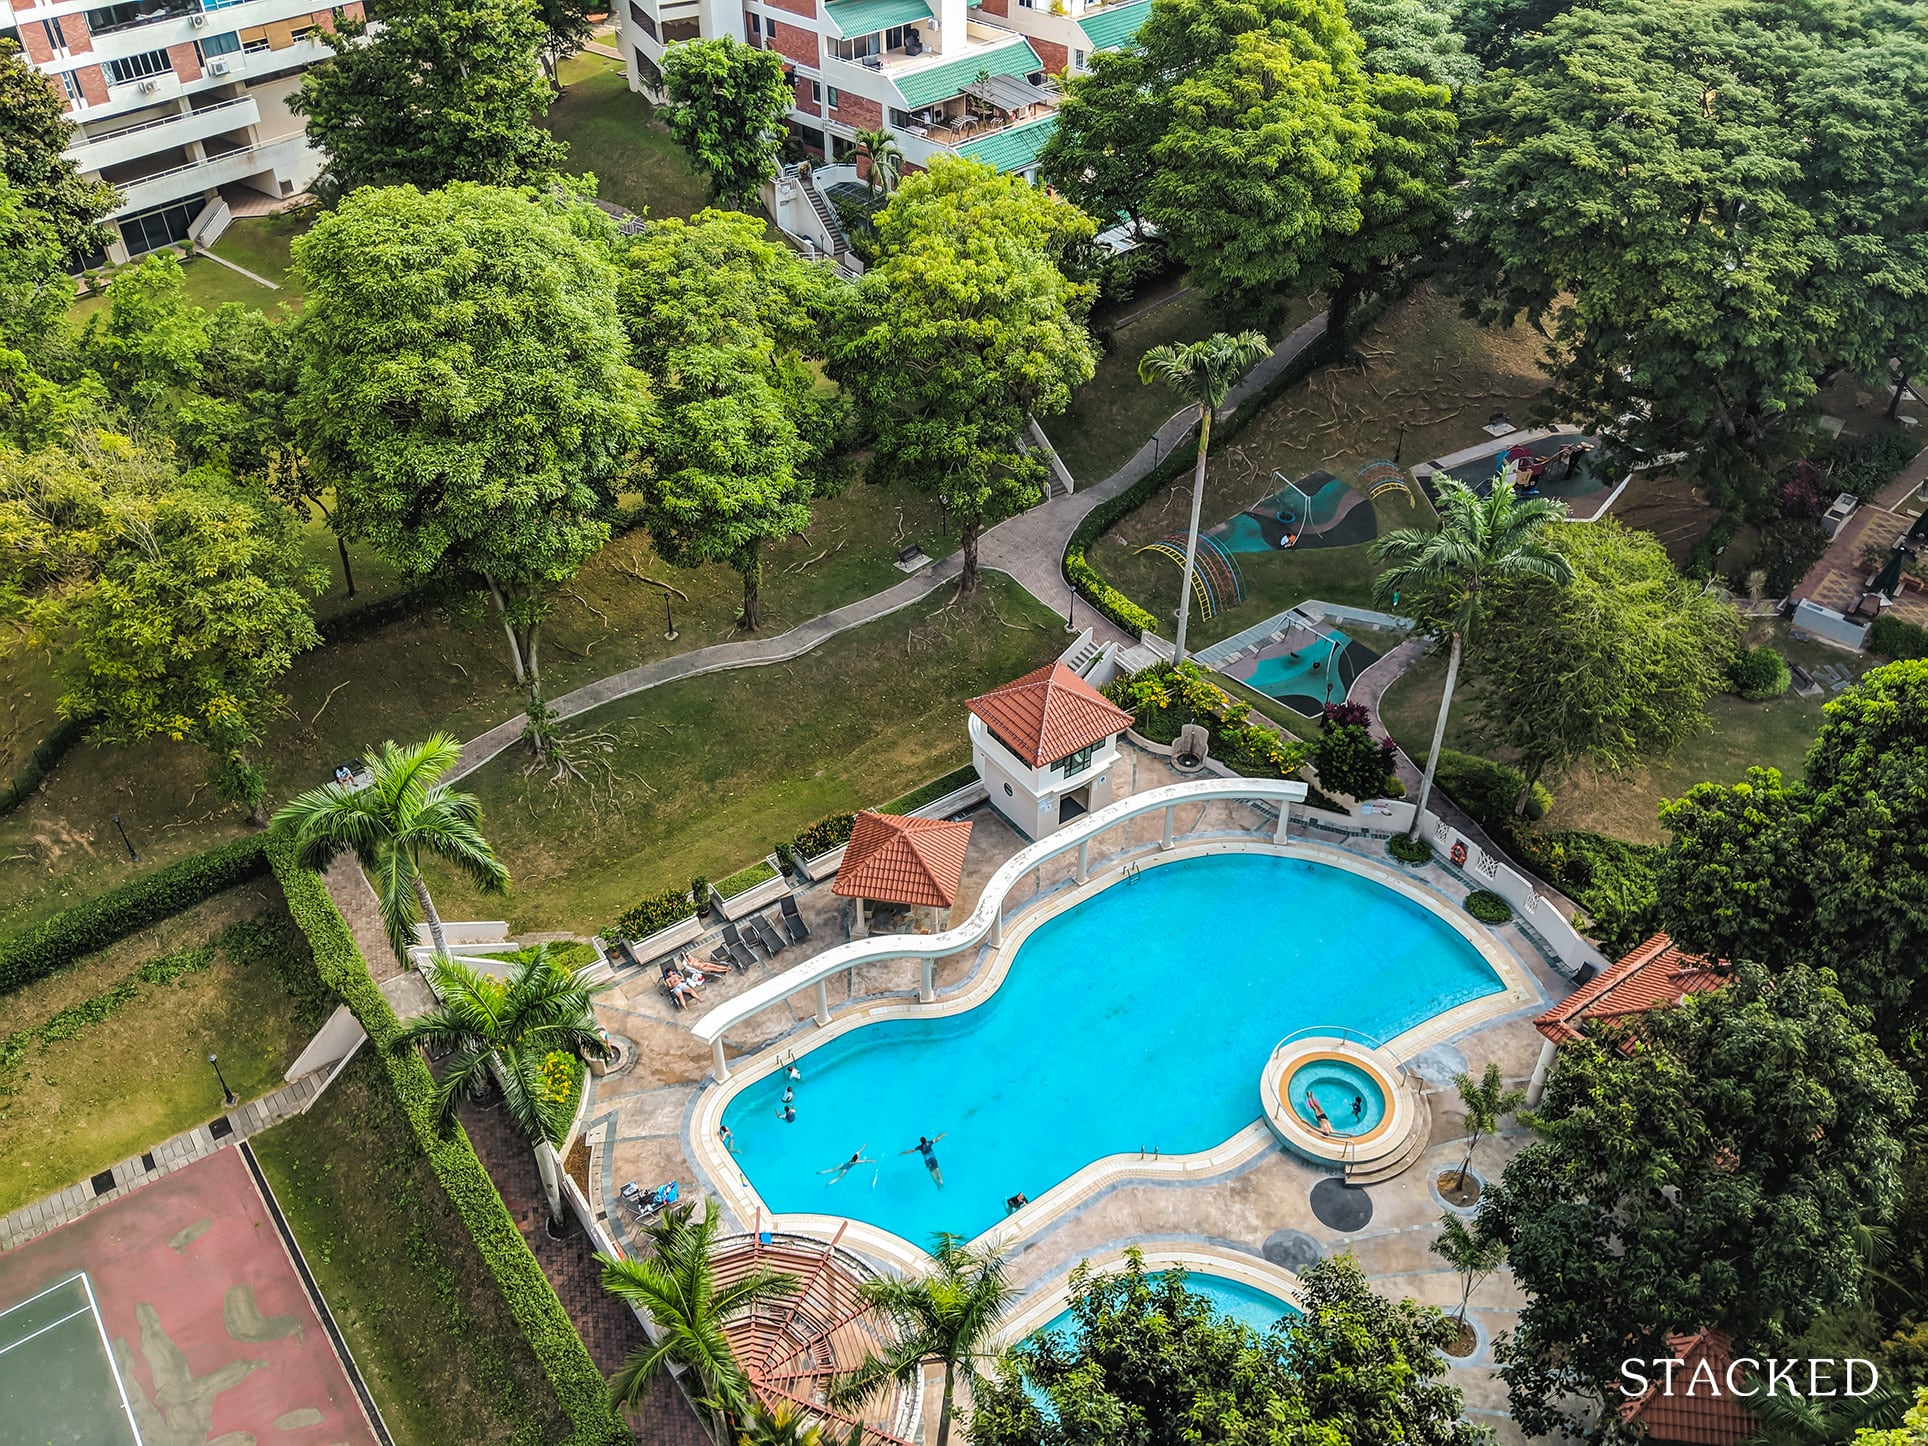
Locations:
1298 658
171 1317
1561 463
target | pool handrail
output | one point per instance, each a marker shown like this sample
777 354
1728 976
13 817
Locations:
987 919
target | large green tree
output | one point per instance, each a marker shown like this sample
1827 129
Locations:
147 346
180 600
723 323
962 333
465 389
1099 154
1611 667
1686 198
1446 577
432 93
1417 38
1709 1167
728 107
35 290
34 134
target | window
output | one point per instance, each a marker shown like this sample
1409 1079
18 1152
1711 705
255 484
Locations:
770 26
54 34
899 117
152 230
861 48
109 18
220 4
1077 763
215 45
833 97
308 32
257 45
643 20
816 91
1077 60
136 67
72 87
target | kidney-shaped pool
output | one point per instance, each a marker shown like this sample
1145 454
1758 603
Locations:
1137 1019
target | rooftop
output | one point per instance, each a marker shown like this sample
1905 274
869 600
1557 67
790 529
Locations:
1657 972
1115 25
894 859
849 18
1694 1414
926 84
1049 714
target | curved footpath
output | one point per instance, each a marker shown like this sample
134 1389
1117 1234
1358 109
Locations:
1028 548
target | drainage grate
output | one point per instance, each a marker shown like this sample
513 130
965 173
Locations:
103 1182
221 1128
147 1161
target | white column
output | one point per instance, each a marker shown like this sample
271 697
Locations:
1536 1086
1169 809
823 1002
950 32
1084 850
716 1058
1285 818
927 991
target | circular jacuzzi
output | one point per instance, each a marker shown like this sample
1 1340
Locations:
1337 1096
1337 1101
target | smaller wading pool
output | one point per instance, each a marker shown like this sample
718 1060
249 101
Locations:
1353 1102
1246 1304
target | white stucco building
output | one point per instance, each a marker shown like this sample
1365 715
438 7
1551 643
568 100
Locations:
1046 746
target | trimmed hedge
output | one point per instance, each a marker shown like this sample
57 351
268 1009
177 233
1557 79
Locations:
1488 907
824 835
113 916
579 1386
743 880
950 783
1890 637
1409 850
61 741
659 911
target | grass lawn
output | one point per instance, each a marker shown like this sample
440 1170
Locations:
263 245
73 1106
1740 735
204 283
1429 379
410 678
708 773
613 133
424 1319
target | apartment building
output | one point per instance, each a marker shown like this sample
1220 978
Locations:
965 77
181 105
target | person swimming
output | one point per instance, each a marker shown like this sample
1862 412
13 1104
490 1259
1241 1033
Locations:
1318 1114
795 1075
928 1149
1358 1106
789 1095
787 1113
1016 1203
728 1139
837 1172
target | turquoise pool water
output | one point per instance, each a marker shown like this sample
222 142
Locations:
1307 672
1247 1304
1337 1085
1139 1019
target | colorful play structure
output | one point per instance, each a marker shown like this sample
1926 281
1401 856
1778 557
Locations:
1378 478
1217 583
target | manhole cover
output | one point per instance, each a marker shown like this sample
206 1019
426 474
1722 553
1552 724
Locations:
1291 1250
1340 1206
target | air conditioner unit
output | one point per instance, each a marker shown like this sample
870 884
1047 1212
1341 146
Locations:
150 84
217 67
198 19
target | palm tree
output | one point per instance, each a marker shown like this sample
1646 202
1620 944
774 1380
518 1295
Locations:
886 160
949 1316
1446 575
404 815
677 1285
492 1030
1487 1102
1201 373
1473 1254
787 1426
1791 1420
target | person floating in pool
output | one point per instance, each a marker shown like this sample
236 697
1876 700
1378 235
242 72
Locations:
789 1095
1325 1125
728 1139
1358 1107
837 1172
928 1149
1016 1203
794 1074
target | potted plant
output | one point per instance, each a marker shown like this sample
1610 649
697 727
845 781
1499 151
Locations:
819 849
659 924
700 892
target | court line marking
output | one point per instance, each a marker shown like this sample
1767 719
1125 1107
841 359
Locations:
49 1290
51 1325
113 1365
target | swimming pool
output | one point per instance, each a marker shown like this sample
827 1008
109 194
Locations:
1247 1304
1353 1102
1135 1020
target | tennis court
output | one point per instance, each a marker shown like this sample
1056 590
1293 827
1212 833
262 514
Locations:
58 1382
169 1317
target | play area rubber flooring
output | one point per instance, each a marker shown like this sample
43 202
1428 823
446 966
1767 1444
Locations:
171 1317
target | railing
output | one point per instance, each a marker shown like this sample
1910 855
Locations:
987 920
164 121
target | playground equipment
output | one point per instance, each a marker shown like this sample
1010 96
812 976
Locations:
1380 477
1217 582
1294 508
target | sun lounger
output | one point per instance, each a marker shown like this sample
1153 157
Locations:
741 956
793 920
732 939
772 942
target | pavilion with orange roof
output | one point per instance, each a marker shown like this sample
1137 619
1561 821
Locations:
1045 746
914 863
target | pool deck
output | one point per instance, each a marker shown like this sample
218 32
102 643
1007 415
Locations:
1254 1206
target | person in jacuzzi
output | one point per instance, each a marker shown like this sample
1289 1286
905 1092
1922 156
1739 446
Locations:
1319 1114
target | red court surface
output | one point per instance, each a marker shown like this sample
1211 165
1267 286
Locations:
212 1331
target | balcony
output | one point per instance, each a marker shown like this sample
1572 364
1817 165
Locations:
113 19
238 165
116 147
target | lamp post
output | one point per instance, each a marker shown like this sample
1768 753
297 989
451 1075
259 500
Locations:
1070 613
227 1095
124 839
669 619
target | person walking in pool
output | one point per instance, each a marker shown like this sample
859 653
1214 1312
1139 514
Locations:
787 1112
837 1172
1358 1107
928 1149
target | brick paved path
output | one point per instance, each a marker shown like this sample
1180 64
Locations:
606 1325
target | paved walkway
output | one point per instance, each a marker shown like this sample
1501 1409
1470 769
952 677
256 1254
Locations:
236 1125
1028 548
1839 580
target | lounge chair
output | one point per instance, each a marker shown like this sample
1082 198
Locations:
741 956
732 940
793 920
772 942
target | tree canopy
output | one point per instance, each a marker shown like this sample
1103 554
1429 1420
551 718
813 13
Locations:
1614 666
432 93
465 389
728 107
1417 38
721 321
964 331
34 133
1713 1170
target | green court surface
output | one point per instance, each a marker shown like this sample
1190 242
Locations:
58 1382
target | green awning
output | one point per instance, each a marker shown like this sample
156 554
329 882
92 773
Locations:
1013 148
851 18
948 78
1115 26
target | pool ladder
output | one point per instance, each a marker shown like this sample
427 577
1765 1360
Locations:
1131 872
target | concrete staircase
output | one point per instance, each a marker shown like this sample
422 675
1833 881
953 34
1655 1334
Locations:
827 214
1414 1145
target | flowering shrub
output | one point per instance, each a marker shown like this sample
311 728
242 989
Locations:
1164 699
824 835
658 912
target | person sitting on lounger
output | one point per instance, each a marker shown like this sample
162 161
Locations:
680 989
1325 1125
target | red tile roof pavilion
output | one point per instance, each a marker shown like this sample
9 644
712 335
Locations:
1692 1414
1049 714
1656 973
894 859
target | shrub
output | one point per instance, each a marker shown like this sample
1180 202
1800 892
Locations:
1409 850
1345 715
113 916
1788 549
824 835
1804 495
1256 751
1163 699
641 920
579 1386
700 891
58 743
1488 907
1890 637
1351 761
1489 791
1612 880
950 783
743 880
1864 465
1759 673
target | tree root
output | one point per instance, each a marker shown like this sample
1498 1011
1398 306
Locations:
634 571
603 617
329 699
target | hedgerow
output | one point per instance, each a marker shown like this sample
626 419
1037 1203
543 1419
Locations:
579 1386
